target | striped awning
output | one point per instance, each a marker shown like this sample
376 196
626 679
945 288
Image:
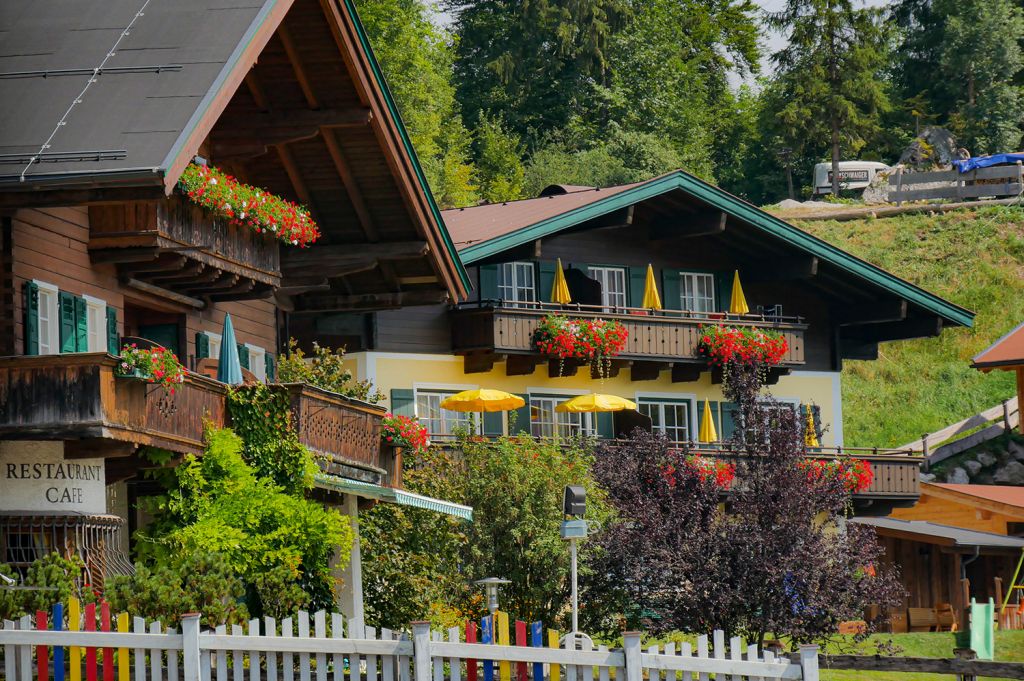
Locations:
368 490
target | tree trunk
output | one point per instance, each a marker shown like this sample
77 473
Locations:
835 157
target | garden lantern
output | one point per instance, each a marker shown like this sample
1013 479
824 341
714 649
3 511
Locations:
490 585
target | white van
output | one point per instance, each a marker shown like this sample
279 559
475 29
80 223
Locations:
852 175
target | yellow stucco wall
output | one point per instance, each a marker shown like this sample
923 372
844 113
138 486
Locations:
388 370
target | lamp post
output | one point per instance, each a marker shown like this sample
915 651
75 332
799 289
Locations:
574 506
490 585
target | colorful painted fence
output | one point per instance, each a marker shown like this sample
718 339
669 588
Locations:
95 646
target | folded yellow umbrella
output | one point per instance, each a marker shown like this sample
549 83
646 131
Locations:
811 432
594 402
483 399
560 289
652 300
707 431
738 302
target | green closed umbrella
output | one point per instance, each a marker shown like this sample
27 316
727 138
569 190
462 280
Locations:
229 368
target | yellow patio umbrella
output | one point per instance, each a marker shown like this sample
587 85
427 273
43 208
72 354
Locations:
594 402
707 432
652 300
811 432
483 399
560 289
738 302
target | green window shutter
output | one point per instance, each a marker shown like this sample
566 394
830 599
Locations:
31 318
723 290
492 423
670 290
605 425
81 325
113 345
202 346
714 406
66 313
730 412
637 279
488 282
243 355
268 361
545 280
521 422
403 402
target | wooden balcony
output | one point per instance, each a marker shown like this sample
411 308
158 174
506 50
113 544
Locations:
344 433
174 249
79 398
486 333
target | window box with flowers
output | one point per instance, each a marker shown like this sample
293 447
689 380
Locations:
155 365
594 341
855 475
404 432
704 469
722 345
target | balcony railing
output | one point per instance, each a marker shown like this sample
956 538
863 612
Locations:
174 246
502 328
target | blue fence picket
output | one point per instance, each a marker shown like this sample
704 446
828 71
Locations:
58 651
487 636
537 641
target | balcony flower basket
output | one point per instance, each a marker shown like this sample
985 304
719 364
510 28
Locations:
226 198
594 341
405 432
723 345
855 475
156 365
720 473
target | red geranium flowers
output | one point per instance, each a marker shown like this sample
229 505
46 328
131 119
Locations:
404 431
855 474
721 345
590 340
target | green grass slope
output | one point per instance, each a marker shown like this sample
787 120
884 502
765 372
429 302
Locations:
974 258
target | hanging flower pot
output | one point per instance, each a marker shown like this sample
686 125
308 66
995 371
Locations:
595 341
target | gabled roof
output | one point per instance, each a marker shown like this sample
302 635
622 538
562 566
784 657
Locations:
1005 499
942 535
119 95
485 231
1006 352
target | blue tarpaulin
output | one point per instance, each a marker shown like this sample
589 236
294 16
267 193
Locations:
987 161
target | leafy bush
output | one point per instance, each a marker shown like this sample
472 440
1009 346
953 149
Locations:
325 370
58 576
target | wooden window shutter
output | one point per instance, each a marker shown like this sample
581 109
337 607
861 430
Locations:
268 362
492 423
113 346
670 296
31 318
243 355
723 290
521 422
730 414
605 424
488 282
81 325
66 314
545 280
715 411
637 280
403 402
202 346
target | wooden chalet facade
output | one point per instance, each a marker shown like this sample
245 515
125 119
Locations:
102 110
829 305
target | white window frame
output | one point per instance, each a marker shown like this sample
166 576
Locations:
96 329
603 274
257 361
692 302
449 421
661 402
519 277
561 425
49 297
214 344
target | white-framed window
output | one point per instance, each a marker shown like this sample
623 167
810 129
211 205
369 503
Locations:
516 282
671 417
442 423
214 344
613 285
49 320
546 422
257 361
697 291
96 323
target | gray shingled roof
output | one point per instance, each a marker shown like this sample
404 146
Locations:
953 536
136 113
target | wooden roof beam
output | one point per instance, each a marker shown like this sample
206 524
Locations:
703 223
924 327
781 269
256 90
348 179
876 312
249 125
344 256
298 184
300 73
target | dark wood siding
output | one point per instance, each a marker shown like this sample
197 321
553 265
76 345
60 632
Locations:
414 329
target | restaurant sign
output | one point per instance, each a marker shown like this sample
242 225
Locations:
34 476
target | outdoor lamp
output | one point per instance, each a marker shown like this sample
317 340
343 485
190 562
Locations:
490 585
574 501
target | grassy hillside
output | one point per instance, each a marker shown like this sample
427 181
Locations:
974 258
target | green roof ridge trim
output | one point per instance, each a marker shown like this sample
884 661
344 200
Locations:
736 207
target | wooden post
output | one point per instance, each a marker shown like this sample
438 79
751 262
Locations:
631 648
1020 400
189 645
999 601
421 650
809 662
965 598
1006 415
965 654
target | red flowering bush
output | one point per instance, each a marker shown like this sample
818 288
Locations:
721 473
158 365
855 474
595 341
404 431
721 345
241 204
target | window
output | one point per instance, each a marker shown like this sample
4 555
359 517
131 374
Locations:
49 322
516 282
671 417
613 285
442 423
546 422
214 344
257 361
697 292
96 324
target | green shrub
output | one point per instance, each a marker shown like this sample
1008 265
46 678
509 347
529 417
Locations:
59 578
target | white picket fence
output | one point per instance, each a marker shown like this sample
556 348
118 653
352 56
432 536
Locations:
327 648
